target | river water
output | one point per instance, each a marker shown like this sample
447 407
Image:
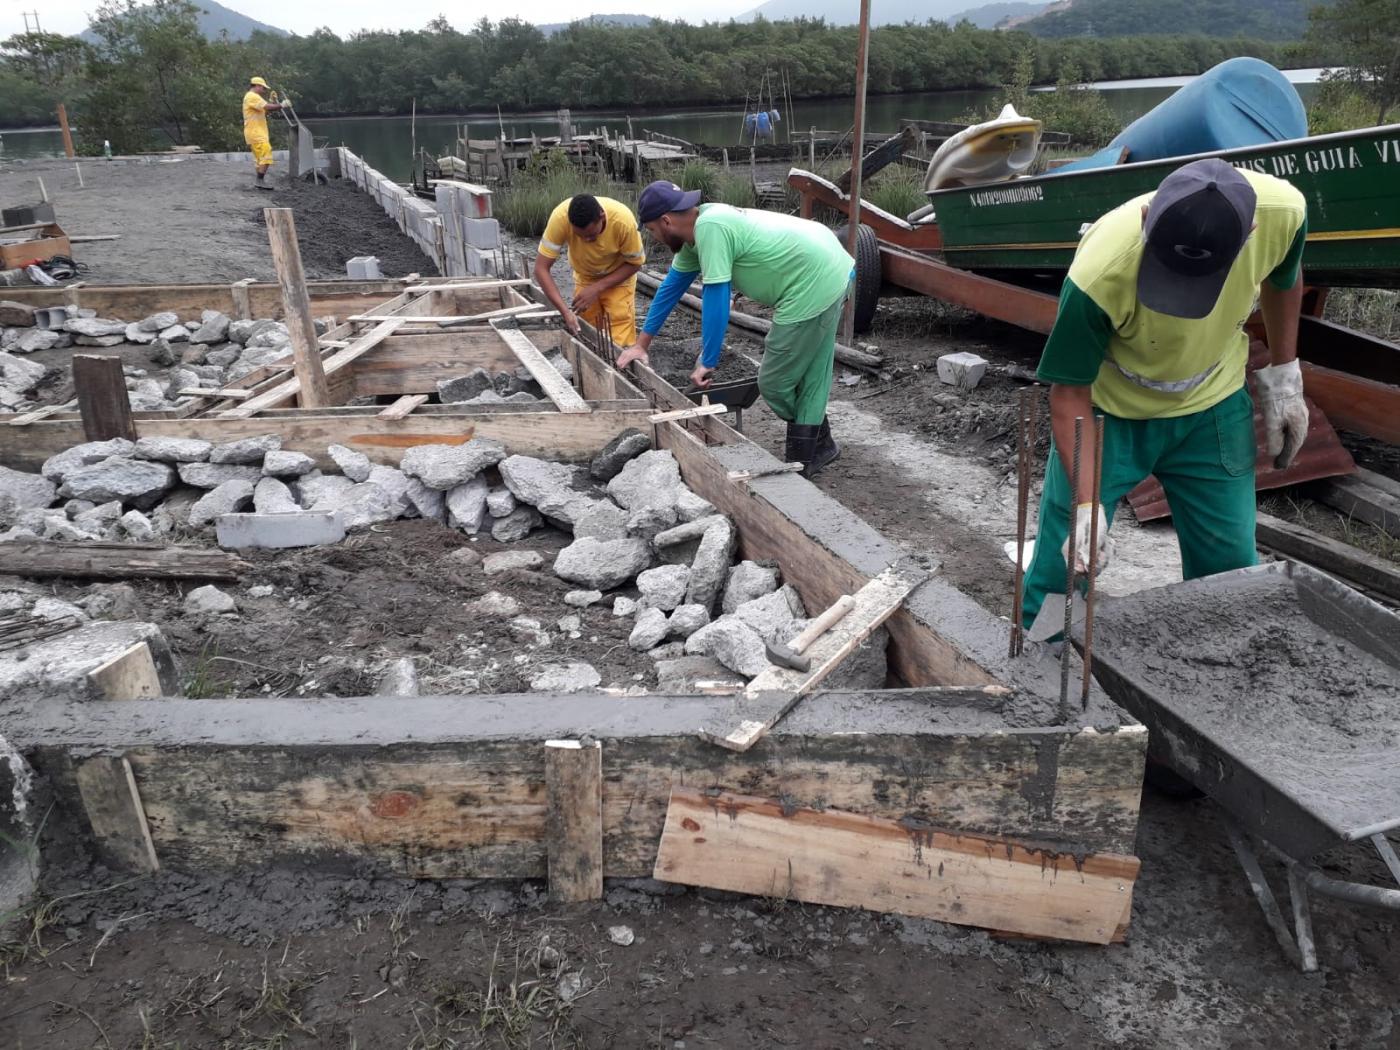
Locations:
387 142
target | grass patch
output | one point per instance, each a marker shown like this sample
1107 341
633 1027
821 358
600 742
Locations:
898 190
1375 311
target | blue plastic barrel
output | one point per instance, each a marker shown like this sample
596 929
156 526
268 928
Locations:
1241 102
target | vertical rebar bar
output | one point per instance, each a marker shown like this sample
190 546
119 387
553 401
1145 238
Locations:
1093 563
1070 555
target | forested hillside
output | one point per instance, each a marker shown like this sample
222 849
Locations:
1264 19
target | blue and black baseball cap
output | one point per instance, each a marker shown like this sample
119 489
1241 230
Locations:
1197 222
661 197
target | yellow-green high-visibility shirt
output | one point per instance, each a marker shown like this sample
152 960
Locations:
1147 365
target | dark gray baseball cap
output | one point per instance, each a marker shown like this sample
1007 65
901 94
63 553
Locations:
1197 222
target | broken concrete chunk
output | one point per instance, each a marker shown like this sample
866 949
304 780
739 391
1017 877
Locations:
268 334
617 453
212 475
430 503
283 464
774 616
99 340
209 601
651 478
494 603
173 449
51 608
271 496
34 340
95 326
649 631
683 674
248 450
516 525
690 507
354 465
963 370
663 587
395 482
747 580
26 490
315 488
447 466
134 334
651 518
583 599
711 564
158 322
528 631
213 330
572 677
733 643
16 315
602 564
466 505
505 561
117 478
560 491
603 521
99 519
137 527
624 606
360 505
687 619
500 502
221 499
18 374
400 678
464 388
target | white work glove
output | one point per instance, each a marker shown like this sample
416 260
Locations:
1280 389
1083 520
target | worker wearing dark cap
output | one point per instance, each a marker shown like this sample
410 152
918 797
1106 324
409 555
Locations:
794 265
1150 333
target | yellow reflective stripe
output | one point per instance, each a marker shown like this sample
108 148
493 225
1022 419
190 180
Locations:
551 245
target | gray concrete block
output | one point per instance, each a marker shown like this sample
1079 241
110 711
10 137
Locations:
962 370
482 233
307 529
363 268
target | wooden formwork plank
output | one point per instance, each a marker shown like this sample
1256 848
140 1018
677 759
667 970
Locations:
296 303
1350 563
565 397
112 802
130 675
116 561
770 848
573 778
102 397
403 406
284 392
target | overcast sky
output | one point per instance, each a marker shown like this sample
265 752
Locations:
345 16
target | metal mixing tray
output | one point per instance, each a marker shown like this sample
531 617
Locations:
1297 802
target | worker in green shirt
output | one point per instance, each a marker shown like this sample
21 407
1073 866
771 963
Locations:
1150 333
794 265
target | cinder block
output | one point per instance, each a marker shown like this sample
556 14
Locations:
274 531
962 370
482 233
363 268
480 263
478 203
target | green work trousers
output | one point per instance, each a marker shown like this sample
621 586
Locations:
795 377
1205 462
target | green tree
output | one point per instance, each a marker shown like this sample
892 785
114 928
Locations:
1368 34
48 65
155 81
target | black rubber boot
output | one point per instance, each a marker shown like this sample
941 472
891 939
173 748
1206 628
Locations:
801 443
827 451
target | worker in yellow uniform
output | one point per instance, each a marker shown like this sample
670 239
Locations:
605 253
256 106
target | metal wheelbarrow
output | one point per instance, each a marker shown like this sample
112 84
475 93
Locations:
1275 690
736 395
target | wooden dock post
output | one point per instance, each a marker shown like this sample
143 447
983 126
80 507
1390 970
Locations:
573 777
306 347
102 399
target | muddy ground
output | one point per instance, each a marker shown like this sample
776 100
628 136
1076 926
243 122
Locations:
192 221
286 959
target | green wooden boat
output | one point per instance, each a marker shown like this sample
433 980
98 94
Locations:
1351 181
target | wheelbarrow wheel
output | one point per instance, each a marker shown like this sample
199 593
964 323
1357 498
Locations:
868 275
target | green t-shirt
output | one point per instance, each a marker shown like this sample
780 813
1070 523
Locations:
1102 332
794 265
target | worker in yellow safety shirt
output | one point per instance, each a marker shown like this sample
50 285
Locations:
256 106
605 253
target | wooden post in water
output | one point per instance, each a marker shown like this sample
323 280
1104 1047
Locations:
102 399
725 153
848 321
306 347
812 149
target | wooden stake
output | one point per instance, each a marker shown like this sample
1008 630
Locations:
848 318
113 804
573 777
306 352
102 398
242 309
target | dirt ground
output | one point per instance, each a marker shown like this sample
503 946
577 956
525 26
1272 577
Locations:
288 959
193 221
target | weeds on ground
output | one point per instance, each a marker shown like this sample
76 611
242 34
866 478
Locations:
898 190
1322 519
1375 311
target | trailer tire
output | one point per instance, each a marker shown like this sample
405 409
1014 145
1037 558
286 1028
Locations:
868 275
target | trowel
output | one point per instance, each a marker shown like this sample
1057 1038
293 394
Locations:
1050 621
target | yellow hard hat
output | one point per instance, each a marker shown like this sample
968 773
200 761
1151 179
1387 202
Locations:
258 82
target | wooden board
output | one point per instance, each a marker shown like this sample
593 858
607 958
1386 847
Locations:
34 415
113 806
403 406
1341 559
573 778
565 397
187 300
337 361
771 849
130 675
773 693
296 303
1365 496
102 397
116 561
414 364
